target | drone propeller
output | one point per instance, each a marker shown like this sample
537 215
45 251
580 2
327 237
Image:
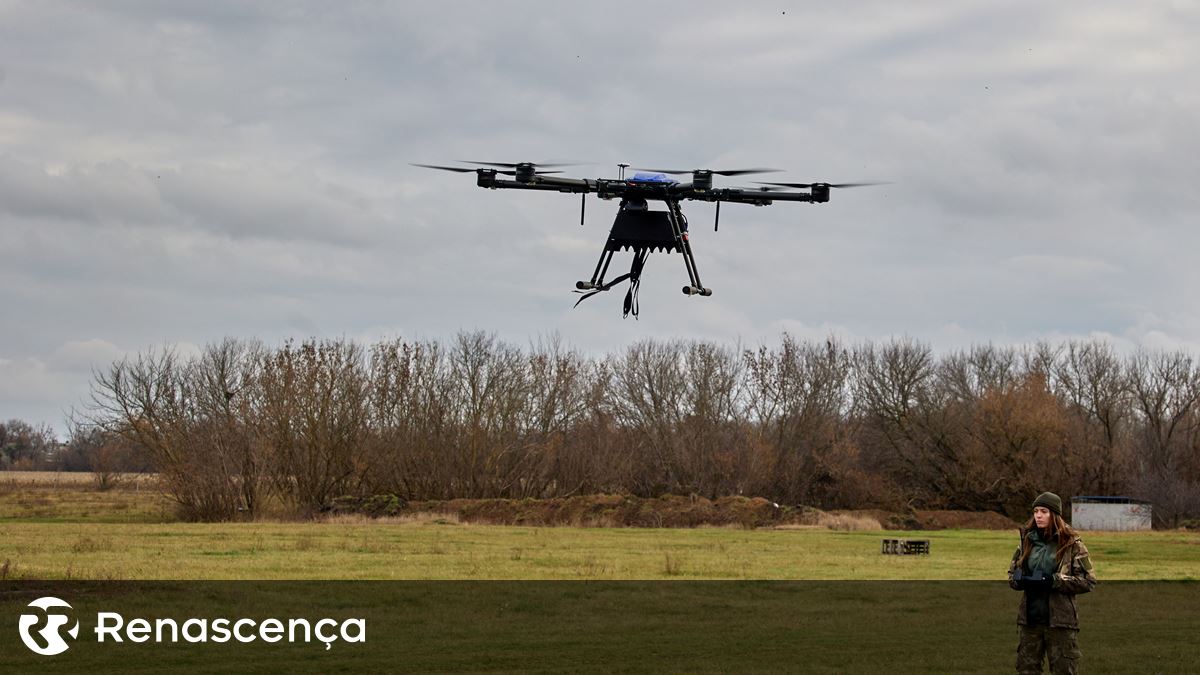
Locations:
456 169
828 185
513 165
459 169
722 172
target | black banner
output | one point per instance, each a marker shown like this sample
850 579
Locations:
575 626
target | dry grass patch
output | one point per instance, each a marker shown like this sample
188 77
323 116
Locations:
418 518
73 497
123 481
86 544
848 522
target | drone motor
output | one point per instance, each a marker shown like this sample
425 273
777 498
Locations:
525 172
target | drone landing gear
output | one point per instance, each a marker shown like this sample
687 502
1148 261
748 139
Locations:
679 229
643 231
634 276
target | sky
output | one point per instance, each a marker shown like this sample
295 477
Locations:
175 173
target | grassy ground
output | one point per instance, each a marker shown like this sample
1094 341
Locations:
55 532
69 530
48 497
607 627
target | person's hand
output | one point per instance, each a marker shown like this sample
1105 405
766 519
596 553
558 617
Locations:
1018 580
1038 582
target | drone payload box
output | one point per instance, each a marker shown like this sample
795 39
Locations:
643 229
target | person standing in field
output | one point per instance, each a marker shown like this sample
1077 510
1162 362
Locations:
1051 566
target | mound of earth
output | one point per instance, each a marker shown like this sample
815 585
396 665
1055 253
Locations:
935 520
622 511
965 520
665 511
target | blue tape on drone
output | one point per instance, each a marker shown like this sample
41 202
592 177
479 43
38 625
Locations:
645 177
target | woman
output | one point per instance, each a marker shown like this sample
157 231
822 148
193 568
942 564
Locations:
1051 565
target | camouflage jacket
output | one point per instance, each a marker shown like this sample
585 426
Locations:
1074 576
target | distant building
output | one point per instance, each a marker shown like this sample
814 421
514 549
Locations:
1109 513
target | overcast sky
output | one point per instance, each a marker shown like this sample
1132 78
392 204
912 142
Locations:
173 173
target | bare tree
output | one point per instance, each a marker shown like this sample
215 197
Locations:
411 414
226 379
24 446
882 424
1020 443
559 401
313 419
1166 392
969 375
107 456
649 391
150 401
907 419
490 390
712 459
1090 377
799 399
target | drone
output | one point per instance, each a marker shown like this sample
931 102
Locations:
637 227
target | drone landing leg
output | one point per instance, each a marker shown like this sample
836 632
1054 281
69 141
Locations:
597 276
596 285
685 248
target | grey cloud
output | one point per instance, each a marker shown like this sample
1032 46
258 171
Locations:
239 203
1043 157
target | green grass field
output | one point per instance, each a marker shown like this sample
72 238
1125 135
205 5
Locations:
564 599
607 627
68 530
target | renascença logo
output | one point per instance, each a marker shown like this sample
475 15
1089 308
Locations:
111 626
50 633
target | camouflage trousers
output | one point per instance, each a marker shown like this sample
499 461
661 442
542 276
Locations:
1039 642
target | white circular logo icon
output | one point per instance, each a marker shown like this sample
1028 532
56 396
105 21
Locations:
51 635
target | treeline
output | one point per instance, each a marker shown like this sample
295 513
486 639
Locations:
25 447
109 457
886 425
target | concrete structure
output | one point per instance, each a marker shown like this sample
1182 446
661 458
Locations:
1109 513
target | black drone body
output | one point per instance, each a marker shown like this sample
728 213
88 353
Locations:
637 227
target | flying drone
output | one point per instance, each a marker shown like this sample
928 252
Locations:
637 227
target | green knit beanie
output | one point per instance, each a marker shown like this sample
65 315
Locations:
1050 501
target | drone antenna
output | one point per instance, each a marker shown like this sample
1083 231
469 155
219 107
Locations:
582 207
717 220
623 167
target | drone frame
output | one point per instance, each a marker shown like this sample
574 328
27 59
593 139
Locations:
659 232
